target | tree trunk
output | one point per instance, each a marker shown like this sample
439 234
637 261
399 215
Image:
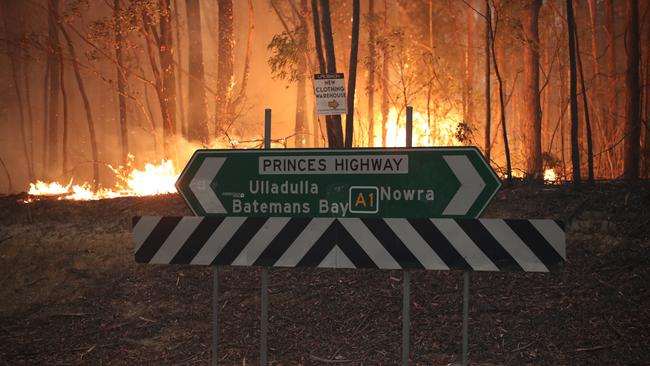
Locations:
321 61
352 74
611 124
430 83
585 105
598 107
46 104
32 123
488 99
86 102
14 29
533 111
168 81
179 63
469 68
633 94
317 37
53 98
66 124
575 148
225 67
237 102
384 81
334 127
372 63
563 80
4 167
646 146
300 128
197 130
502 103
121 82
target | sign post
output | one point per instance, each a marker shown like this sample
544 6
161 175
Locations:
406 291
264 296
404 208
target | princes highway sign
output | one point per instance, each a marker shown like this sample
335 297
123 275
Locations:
453 182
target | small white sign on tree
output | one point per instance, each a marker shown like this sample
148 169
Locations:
330 94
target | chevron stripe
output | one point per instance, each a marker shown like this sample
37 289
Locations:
435 244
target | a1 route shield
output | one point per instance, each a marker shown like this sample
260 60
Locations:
401 183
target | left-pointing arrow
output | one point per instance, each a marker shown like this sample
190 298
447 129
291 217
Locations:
200 185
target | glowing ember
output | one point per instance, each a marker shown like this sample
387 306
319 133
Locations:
154 179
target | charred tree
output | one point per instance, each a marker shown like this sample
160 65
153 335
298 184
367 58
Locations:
168 80
385 50
533 111
468 108
334 127
121 82
612 105
53 97
13 54
179 62
163 74
86 102
66 124
197 107
506 145
632 94
488 89
300 128
598 106
28 99
237 102
352 74
646 142
46 104
575 148
372 62
320 57
585 105
225 67
317 37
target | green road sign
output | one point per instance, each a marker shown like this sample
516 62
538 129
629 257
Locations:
397 182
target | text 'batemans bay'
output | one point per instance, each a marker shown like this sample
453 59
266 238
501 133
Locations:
334 164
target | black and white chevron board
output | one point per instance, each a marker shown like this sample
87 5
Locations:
384 243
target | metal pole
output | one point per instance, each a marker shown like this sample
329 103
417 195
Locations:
264 320
267 128
409 126
406 293
215 313
406 317
465 316
265 316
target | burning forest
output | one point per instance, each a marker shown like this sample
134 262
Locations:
103 104
139 85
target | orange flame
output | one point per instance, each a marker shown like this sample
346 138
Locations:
550 176
154 179
422 133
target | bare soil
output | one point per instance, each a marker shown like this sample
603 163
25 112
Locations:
71 294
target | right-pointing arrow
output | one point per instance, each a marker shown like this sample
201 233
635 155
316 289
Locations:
200 185
471 185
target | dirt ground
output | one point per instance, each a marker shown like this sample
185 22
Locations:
72 294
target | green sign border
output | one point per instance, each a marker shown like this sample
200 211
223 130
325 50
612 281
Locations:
472 152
